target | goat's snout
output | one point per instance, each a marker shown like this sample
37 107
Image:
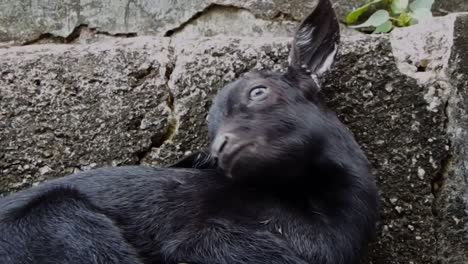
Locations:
220 143
228 149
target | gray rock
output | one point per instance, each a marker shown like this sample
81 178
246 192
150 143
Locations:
451 204
145 101
67 108
403 137
343 7
65 21
84 22
450 6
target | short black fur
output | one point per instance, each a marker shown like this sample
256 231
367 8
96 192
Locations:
283 181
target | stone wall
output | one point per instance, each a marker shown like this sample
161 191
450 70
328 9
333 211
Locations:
113 83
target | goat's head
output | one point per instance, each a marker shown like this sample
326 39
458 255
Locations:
273 123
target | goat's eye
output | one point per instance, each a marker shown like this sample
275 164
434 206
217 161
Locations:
258 93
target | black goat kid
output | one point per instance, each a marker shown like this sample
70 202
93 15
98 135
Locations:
291 185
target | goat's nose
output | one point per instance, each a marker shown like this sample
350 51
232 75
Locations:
220 143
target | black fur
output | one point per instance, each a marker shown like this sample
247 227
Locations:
283 182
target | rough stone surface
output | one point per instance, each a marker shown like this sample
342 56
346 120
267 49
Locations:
68 21
232 21
343 7
67 108
389 115
144 100
451 207
32 21
450 6
92 20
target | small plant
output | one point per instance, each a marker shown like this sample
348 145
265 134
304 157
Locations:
392 13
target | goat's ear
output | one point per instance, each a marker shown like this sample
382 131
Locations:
316 42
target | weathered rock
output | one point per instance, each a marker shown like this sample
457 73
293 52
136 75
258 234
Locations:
450 6
66 108
232 21
451 205
343 7
391 117
62 21
145 101
90 21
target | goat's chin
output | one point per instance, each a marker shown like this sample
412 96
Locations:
256 169
262 164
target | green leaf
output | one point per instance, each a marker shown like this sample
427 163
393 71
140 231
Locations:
384 28
419 15
399 6
355 14
378 18
404 19
418 4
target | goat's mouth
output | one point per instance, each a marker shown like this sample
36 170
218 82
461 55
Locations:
231 156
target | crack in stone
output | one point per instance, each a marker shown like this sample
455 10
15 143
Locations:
446 182
75 35
446 163
51 38
158 140
118 35
171 98
215 7
210 8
